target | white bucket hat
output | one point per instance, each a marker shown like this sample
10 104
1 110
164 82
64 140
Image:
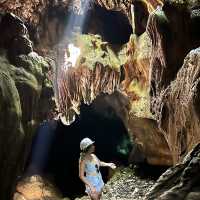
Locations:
86 142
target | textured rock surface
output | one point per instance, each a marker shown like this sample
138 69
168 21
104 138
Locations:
22 93
96 71
14 36
179 108
172 40
151 145
25 99
180 182
137 65
31 9
36 187
136 81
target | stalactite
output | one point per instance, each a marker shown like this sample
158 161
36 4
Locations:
77 85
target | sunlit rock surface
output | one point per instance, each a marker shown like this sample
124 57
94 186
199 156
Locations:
179 182
173 31
136 68
179 108
96 71
151 145
36 187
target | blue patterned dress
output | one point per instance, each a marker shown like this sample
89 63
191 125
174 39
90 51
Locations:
93 175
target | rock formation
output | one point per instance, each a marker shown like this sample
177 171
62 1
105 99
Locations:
96 71
179 112
102 68
179 182
36 187
173 31
150 145
24 90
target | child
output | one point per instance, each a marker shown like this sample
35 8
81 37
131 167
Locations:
89 171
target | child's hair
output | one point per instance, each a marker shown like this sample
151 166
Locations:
83 152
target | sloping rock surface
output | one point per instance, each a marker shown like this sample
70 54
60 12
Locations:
180 182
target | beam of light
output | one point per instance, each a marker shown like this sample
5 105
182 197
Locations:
41 147
67 52
74 53
75 23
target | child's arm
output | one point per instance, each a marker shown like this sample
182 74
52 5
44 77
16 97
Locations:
104 164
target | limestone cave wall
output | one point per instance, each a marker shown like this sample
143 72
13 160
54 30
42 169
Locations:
157 69
24 90
174 33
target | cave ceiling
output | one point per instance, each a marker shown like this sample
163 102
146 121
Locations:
32 10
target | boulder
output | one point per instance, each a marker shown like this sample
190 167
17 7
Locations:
179 182
36 188
150 144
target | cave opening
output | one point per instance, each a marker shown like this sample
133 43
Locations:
116 30
55 149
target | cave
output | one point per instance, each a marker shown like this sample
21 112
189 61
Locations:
55 149
116 30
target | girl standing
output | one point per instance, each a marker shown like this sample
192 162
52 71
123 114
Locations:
89 171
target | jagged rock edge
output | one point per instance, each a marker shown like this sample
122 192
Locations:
77 85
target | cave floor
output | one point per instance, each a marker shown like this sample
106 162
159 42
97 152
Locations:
125 185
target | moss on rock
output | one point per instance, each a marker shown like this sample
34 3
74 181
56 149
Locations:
21 86
94 50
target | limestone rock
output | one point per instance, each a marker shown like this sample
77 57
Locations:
22 93
11 131
96 71
151 145
173 32
179 182
36 187
136 81
171 40
15 36
179 114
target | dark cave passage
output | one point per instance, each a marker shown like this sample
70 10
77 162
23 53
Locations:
116 30
55 150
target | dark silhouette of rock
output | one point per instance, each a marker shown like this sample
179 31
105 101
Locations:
14 36
179 182
26 100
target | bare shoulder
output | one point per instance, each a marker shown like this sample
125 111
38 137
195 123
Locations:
95 157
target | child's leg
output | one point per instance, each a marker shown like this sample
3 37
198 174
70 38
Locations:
94 196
